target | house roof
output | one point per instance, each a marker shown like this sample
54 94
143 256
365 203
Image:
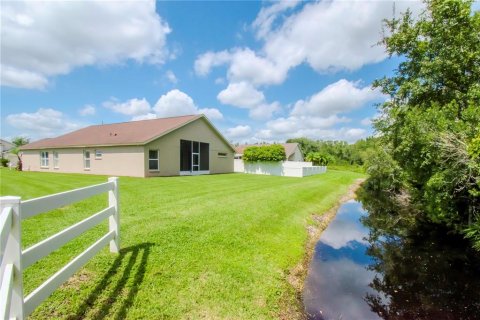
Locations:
116 134
289 148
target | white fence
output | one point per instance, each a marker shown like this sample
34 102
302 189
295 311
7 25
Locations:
14 260
285 168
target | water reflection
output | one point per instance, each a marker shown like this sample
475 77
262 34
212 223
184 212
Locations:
339 277
378 266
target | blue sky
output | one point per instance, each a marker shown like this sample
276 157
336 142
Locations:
261 71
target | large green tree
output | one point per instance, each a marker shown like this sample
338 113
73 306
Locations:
433 114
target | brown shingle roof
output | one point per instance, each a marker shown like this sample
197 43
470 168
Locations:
125 133
289 148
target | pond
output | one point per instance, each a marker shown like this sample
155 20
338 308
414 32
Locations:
366 267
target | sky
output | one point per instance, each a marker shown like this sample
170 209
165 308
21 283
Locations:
260 71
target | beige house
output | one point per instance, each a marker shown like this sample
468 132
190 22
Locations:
186 145
292 151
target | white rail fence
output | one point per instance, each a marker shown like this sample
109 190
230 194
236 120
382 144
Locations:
14 260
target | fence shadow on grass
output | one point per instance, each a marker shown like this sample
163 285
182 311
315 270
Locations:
112 291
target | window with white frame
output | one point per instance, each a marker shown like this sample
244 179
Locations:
153 163
98 154
86 160
44 159
55 159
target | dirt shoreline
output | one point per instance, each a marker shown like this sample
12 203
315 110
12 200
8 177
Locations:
296 276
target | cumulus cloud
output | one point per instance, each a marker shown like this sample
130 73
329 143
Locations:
211 113
175 103
340 97
205 62
322 116
146 116
45 122
238 132
132 107
242 95
267 16
44 39
87 110
328 36
171 104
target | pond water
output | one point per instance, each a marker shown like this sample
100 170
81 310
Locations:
382 272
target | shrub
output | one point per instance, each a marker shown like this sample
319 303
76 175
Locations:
4 162
319 159
274 152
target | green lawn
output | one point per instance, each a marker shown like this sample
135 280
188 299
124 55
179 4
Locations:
216 246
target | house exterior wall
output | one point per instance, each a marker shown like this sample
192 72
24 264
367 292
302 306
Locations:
296 155
115 161
169 149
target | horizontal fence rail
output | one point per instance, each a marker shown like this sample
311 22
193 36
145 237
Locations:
14 261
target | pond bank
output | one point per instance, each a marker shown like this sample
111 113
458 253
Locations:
296 276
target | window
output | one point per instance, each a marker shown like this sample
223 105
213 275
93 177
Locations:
86 160
55 159
194 156
44 159
222 154
153 164
98 154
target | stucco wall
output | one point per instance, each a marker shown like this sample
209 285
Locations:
169 149
296 155
115 161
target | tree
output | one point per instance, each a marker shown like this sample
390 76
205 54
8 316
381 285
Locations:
18 142
318 158
433 114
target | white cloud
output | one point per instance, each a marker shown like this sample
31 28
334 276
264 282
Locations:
264 111
45 122
178 103
44 39
171 104
87 110
171 76
267 16
132 107
340 97
147 116
366 121
211 113
242 95
174 103
205 62
329 36
238 132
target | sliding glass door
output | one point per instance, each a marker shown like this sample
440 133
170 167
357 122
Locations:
194 156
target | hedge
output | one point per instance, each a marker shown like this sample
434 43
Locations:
273 152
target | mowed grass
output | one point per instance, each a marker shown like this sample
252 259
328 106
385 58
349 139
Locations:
205 247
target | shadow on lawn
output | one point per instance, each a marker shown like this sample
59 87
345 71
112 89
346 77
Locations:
112 290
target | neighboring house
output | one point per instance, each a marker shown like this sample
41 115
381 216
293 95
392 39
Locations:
5 147
186 145
5 152
292 151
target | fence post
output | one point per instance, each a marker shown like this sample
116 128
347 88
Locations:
114 221
13 255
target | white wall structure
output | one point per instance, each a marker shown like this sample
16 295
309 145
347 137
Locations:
285 168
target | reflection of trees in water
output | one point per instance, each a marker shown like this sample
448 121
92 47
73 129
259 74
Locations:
424 272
